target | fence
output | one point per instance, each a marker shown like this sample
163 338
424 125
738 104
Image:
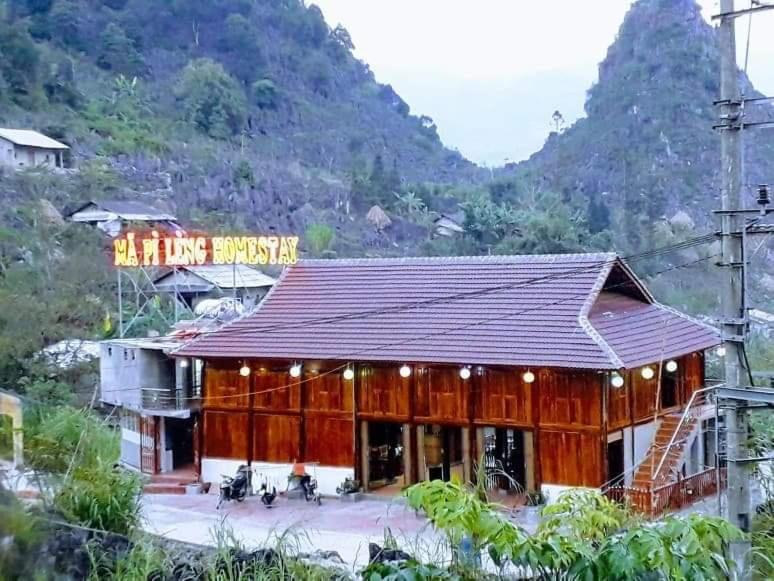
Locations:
674 496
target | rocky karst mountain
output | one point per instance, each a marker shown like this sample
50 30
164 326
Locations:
646 148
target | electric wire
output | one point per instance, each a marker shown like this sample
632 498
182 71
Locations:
231 330
348 356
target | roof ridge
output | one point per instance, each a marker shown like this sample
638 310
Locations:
588 327
494 258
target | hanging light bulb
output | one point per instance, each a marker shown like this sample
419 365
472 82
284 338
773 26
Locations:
183 363
349 375
244 371
721 351
405 371
464 372
617 380
295 370
671 366
647 372
528 377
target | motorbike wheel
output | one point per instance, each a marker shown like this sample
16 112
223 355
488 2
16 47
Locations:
220 501
318 499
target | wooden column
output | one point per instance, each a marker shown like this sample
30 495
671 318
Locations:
529 460
364 456
467 460
408 456
420 463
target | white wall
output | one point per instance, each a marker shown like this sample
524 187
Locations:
628 435
276 473
130 447
643 438
6 153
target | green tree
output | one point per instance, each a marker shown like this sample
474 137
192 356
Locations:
239 41
211 99
118 52
265 94
20 66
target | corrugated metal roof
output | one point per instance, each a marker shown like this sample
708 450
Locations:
123 209
232 276
30 138
499 310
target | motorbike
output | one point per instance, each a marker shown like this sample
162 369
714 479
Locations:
235 488
349 486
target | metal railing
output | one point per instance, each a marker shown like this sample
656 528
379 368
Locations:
697 397
166 398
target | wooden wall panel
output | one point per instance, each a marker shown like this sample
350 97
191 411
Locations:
442 396
384 393
276 390
329 441
225 434
224 387
328 392
570 399
502 397
276 438
618 410
691 373
570 458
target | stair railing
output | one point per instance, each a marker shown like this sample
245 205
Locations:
696 396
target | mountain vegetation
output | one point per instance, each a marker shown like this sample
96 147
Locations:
254 116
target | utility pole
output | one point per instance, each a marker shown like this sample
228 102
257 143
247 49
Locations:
732 297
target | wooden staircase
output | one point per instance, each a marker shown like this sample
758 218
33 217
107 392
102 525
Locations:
645 476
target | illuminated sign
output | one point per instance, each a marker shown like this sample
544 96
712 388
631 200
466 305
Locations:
189 250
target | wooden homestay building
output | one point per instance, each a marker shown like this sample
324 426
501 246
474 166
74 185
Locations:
560 370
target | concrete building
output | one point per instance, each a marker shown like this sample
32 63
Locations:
22 148
155 396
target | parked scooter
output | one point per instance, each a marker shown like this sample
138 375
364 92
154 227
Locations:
235 488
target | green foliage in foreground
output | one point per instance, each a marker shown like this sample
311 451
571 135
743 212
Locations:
582 536
80 452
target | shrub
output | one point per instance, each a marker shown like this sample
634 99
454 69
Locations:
102 498
319 238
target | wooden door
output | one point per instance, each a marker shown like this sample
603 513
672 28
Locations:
148 445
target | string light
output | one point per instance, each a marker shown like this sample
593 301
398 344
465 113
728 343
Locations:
721 351
647 372
405 371
464 372
671 366
617 380
244 371
295 370
183 363
528 377
349 375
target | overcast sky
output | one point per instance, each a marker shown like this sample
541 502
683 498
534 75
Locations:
491 72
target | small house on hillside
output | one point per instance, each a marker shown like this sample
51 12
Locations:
110 215
193 284
449 225
22 148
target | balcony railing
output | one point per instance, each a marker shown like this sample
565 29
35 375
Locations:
167 399
674 496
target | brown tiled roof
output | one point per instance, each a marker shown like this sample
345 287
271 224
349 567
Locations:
493 310
639 332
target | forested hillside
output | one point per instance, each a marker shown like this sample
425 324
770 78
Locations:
253 115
